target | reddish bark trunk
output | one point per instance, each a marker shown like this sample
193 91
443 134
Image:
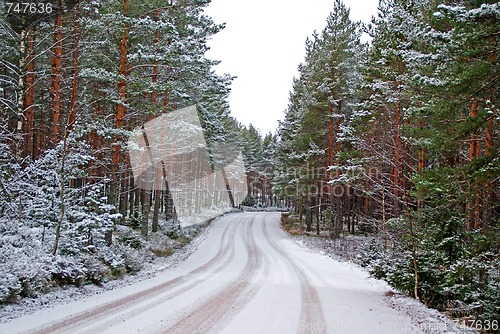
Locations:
397 155
330 137
55 79
29 98
473 207
421 155
3 109
488 144
74 83
337 130
473 140
122 91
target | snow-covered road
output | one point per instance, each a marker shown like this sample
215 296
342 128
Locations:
247 276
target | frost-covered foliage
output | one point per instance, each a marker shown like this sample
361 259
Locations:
319 116
88 221
8 167
32 203
457 274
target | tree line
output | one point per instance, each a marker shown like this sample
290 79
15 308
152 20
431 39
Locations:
399 136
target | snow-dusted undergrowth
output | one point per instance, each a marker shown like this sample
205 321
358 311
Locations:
125 265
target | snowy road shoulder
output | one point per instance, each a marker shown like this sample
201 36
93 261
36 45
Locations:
427 320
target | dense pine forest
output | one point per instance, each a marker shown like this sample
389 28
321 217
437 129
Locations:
396 138
399 137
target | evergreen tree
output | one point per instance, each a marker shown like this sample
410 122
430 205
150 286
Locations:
319 113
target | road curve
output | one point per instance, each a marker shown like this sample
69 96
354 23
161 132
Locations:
247 276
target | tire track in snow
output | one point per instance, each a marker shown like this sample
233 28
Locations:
217 311
135 311
339 297
104 310
312 319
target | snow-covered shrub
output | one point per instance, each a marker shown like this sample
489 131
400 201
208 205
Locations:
191 231
28 220
174 231
67 271
490 299
160 245
89 220
40 198
115 262
10 287
132 260
22 259
135 220
8 167
96 272
131 239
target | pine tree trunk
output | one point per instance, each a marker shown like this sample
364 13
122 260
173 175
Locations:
55 79
156 211
124 193
157 192
169 204
420 164
414 250
384 231
262 191
157 199
120 109
330 137
62 194
308 214
337 130
397 160
473 207
131 198
146 205
348 208
490 191
76 54
29 98
228 188
3 107
339 219
21 84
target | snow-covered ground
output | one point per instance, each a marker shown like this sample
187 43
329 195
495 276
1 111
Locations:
71 293
242 275
428 320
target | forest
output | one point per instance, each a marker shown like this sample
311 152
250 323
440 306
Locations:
395 137
399 137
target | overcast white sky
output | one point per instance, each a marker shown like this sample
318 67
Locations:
262 44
